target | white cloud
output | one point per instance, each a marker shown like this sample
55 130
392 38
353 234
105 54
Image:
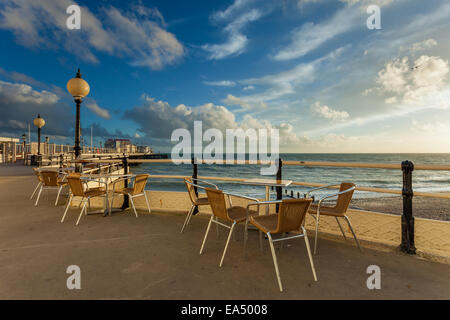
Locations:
237 19
135 36
222 83
328 113
423 45
22 93
311 36
101 112
414 83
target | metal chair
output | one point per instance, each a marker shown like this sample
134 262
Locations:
137 190
195 200
339 210
79 190
290 218
220 211
50 180
38 176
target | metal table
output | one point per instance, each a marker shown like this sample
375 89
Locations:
106 177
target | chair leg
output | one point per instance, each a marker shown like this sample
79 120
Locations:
340 227
132 204
245 237
39 195
226 245
148 203
317 233
67 208
272 249
353 232
35 190
187 218
309 254
206 234
217 229
81 213
261 242
57 197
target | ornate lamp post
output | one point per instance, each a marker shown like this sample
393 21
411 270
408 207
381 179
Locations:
39 123
78 88
46 145
24 140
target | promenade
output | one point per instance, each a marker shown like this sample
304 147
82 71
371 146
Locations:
122 257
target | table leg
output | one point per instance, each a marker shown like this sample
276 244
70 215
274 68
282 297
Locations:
267 198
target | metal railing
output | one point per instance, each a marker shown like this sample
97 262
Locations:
407 167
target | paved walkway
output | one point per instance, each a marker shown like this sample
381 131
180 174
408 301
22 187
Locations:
122 257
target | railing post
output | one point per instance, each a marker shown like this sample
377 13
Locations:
279 177
126 203
407 244
194 180
61 160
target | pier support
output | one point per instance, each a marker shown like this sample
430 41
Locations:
407 244
279 177
126 200
194 180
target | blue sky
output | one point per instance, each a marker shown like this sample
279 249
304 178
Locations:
310 68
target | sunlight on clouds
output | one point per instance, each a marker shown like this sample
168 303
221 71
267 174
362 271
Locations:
133 35
328 113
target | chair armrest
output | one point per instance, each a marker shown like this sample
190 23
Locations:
86 180
257 203
332 196
206 182
319 188
240 196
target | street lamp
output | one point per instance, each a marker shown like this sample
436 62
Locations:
78 88
39 123
24 139
46 146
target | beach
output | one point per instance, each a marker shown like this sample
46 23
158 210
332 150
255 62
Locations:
428 208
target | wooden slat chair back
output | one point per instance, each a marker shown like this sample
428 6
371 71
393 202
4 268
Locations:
76 185
139 183
191 190
292 215
218 205
343 200
50 178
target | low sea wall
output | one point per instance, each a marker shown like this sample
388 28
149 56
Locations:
374 230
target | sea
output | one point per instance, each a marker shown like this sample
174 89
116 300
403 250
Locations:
424 181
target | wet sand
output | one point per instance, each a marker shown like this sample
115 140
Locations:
429 208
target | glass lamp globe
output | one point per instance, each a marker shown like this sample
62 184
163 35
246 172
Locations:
39 122
78 87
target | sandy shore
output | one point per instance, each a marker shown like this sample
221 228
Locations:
430 208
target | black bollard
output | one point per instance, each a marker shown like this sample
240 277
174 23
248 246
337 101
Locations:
407 244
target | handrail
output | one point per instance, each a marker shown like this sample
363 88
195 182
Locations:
312 184
285 163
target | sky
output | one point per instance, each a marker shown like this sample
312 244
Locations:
310 68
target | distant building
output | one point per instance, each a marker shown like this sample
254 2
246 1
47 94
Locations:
125 146
120 145
144 149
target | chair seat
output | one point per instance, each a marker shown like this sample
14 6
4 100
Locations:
266 223
201 202
239 214
125 191
326 211
94 192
